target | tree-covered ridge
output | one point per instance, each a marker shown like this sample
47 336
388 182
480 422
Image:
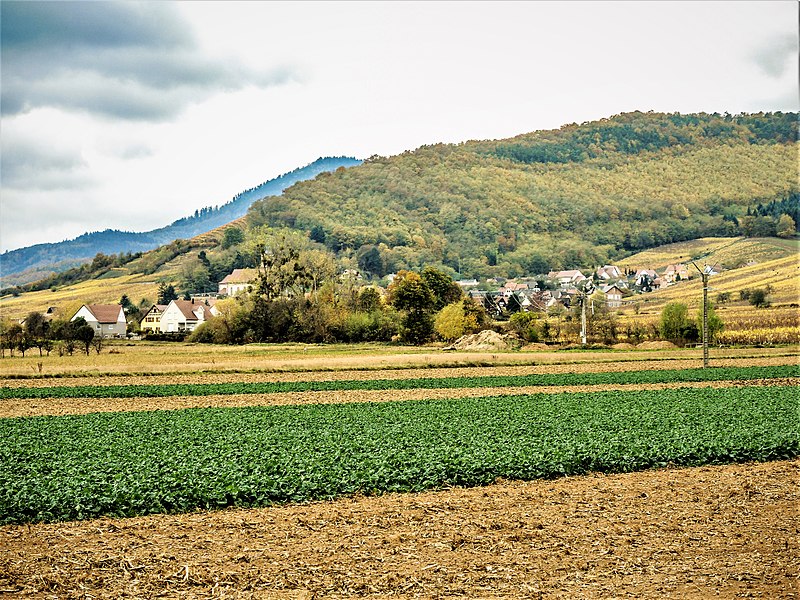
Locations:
634 133
596 192
30 264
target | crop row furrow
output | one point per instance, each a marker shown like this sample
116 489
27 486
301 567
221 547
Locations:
559 379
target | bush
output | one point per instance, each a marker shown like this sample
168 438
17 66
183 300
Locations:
759 298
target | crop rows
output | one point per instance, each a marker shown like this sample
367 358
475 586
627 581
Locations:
562 379
124 464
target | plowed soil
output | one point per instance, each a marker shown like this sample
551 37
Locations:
77 406
721 532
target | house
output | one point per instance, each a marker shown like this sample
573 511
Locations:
675 273
613 296
566 277
239 280
645 277
185 315
607 272
468 283
152 319
107 320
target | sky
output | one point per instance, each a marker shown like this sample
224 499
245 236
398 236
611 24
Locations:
131 115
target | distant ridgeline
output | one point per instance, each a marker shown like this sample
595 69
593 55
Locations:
36 262
578 196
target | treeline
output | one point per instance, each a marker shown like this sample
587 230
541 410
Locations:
634 133
300 296
60 335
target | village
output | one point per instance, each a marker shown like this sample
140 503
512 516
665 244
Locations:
558 290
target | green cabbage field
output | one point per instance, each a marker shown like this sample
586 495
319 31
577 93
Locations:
134 463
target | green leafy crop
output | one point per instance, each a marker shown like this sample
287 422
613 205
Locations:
124 464
560 379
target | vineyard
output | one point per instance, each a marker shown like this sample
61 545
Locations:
87 452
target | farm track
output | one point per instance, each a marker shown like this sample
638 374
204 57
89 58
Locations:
654 364
11 408
721 531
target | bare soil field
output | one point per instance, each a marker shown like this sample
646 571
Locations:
721 531
77 406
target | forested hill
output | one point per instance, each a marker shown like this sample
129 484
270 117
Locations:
581 195
36 262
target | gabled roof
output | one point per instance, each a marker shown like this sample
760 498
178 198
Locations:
187 308
241 276
104 313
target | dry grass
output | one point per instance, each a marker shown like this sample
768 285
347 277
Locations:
163 358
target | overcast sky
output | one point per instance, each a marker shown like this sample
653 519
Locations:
129 116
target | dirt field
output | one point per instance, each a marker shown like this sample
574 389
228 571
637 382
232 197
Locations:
722 532
624 364
78 406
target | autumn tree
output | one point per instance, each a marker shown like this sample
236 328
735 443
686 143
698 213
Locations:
410 294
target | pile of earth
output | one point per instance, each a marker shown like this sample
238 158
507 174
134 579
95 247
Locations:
662 345
486 340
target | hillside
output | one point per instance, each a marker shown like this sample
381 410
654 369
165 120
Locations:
773 262
25 265
574 197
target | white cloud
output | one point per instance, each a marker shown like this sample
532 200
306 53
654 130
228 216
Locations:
184 107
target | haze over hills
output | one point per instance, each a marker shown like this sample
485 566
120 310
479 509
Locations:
36 262
576 197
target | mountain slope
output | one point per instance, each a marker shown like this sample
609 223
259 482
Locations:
578 196
36 262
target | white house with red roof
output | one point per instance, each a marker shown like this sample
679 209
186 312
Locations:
185 315
107 320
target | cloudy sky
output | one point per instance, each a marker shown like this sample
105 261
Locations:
131 115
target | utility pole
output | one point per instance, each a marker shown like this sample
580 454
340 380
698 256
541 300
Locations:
583 319
705 320
586 289
704 276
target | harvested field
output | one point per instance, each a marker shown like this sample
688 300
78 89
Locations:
604 366
76 406
722 531
167 358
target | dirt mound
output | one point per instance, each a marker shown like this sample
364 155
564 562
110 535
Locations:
656 346
623 346
486 340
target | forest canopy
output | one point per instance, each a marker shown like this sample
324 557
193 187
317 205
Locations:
578 196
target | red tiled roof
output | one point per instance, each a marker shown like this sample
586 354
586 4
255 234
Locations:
187 308
105 313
